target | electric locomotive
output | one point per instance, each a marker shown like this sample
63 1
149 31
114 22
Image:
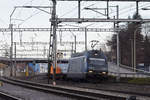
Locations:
87 64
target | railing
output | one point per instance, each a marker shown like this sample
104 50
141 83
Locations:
136 70
131 75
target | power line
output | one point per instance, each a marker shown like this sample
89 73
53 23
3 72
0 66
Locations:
24 5
34 13
124 12
69 11
101 37
30 17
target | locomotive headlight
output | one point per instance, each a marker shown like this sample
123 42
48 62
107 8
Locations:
95 54
103 72
90 71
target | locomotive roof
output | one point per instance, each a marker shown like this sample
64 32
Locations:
85 52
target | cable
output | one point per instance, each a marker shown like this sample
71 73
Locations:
82 8
30 17
132 9
101 37
128 9
24 5
73 10
69 11
34 13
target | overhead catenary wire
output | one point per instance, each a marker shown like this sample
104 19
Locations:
34 13
70 11
19 13
126 9
132 9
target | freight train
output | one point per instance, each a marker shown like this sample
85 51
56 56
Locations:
88 64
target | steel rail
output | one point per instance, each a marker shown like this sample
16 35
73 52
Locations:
72 92
37 77
7 96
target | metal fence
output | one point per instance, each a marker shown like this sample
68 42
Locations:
130 75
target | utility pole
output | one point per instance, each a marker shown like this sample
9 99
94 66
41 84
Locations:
11 51
75 40
107 9
72 48
79 9
85 39
118 51
54 23
134 41
132 53
137 7
15 67
134 38
118 47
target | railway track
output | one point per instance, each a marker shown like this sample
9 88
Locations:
99 86
6 96
79 93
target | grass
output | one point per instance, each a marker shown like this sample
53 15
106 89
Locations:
139 81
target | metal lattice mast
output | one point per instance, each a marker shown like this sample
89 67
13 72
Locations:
51 48
50 57
53 42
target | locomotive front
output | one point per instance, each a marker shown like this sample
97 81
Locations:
97 63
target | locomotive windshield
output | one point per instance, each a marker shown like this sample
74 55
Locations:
96 54
96 61
96 57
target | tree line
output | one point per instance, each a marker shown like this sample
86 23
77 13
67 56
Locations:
127 34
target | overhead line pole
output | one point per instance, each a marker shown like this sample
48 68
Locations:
75 44
134 39
11 48
79 9
85 39
54 23
15 67
137 7
107 9
118 51
50 52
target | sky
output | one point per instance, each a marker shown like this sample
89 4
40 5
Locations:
28 18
